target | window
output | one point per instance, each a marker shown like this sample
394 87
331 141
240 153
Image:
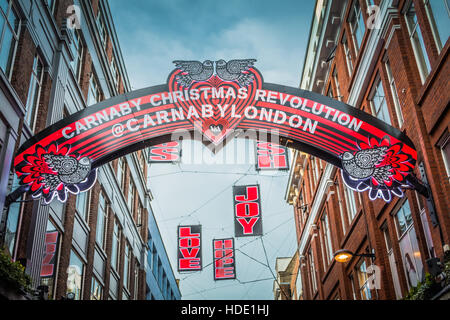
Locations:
299 284
131 195
115 72
78 50
341 209
12 220
48 278
327 236
34 92
315 170
411 257
155 262
312 272
426 227
51 5
348 55
9 35
330 92
142 162
75 274
394 93
121 172
415 34
82 203
336 84
126 267
102 214
115 251
94 91
357 26
392 264
353 286
140 211
444 145
136 281
102 27
96 290
378 103
351 203
363 281
438 12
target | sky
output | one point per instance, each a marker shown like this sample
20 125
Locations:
152 34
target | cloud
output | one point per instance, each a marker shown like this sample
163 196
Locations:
149 54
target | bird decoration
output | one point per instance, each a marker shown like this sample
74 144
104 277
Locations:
377 166
233 70
68 170
193 71
54 171
363 164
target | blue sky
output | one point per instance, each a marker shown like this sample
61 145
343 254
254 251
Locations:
152 34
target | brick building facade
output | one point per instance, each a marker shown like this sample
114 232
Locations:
388 58
59 57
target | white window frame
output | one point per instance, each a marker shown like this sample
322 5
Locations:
394 93
440 43
420 51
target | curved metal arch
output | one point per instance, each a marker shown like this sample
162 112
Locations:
378 156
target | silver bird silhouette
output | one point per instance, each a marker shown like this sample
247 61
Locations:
69 170
193 71
362 164
234 70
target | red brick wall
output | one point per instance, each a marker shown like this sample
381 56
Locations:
426 117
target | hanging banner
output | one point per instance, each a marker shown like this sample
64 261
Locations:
247 211
165 153
224 259
217 99
49 261
189 248
271 156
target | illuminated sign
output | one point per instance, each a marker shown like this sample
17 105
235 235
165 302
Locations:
217 98
247 211
271 156
51 246
224 259
189 248
166 152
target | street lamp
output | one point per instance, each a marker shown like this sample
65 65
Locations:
345 255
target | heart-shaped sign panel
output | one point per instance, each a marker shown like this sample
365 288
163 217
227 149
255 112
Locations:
215 107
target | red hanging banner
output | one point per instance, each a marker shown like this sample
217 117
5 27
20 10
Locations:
189 248
165 153
224 259
271 156
247 211
51 247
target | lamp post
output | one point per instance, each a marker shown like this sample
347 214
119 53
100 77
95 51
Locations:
345 255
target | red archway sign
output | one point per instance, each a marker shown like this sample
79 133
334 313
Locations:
217 98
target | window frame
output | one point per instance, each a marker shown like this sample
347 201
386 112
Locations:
79 52
83 273
434 27
418 43
87 200
347 53
363 286
34 98
376 111
15 36
104 217
98 285
358 16
394 93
